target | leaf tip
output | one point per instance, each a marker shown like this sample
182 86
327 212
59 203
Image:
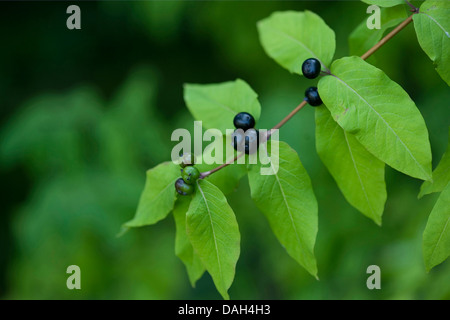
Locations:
192 281
225 295
123 229
428 267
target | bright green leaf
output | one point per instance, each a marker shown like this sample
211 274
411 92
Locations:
359 175
183 247
217 104
363 38
159 195
381 115
436 237
432 26
385 3
214 234
292 37
287 200
441 175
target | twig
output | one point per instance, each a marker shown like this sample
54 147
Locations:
366 55
210 172
388 37
413 7
290 115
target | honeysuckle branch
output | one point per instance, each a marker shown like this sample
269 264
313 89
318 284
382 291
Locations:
269 133
290 115
388 37
365 56
210 172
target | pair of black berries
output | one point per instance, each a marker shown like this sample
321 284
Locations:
311 69
245 137
189 174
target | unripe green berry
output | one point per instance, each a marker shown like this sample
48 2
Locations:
190 174
187 159
183 188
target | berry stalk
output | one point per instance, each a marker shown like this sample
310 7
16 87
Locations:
210 172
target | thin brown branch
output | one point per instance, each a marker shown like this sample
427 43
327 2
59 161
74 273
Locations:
290 115
388 37
210 172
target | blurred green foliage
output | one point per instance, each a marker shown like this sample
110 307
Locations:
84 113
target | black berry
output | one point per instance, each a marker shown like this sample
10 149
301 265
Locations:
247 141
190 174
311 68
312 97
244 121
187 159
183 188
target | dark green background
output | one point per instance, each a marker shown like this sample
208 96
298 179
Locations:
85 112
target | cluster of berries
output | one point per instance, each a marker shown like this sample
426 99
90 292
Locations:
245 137
311 69
189 174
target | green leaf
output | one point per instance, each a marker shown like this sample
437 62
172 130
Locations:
183 247
159 195
436 237
363 38
385 3
217 104
227 179
380 114
287 200
214 234
292 37
441 175
432 26
359 175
